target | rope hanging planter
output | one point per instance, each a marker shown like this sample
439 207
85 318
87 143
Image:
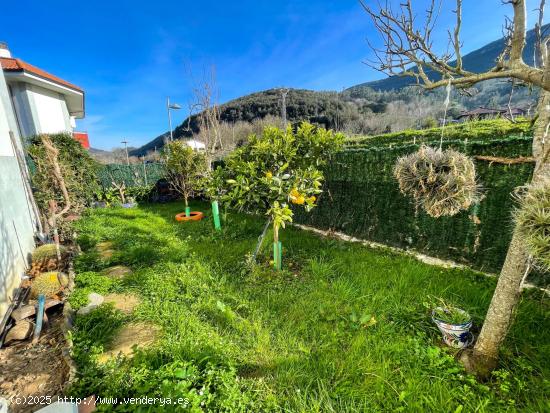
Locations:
442 182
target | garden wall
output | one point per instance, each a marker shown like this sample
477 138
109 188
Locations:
362 199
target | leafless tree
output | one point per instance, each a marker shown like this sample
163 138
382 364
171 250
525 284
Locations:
408 50
205 105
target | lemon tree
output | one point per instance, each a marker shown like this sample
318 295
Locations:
276 170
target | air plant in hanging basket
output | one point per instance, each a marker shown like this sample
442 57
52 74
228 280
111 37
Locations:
533 220
442 182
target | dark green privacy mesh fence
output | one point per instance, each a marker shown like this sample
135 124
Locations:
362 199
132 175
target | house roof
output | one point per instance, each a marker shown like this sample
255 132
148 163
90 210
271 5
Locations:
10 64
488 111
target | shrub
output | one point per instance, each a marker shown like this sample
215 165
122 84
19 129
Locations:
185 168
533 219
79 171
477 131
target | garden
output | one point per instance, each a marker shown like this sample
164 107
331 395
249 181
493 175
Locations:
341 328
203 293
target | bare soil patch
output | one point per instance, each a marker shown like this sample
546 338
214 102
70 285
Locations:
35 370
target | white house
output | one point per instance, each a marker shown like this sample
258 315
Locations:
43 103
31 101
195 144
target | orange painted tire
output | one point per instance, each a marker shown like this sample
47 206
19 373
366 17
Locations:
193 216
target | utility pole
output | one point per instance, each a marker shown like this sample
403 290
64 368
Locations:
284 92
125 142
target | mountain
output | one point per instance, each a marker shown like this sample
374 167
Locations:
102 156
479 60
385 105
323 108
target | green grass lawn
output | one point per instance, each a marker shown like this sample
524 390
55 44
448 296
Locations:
342 328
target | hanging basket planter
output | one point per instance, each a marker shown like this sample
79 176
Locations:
192 216
442 182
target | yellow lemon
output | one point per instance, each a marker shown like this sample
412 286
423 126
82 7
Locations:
294 193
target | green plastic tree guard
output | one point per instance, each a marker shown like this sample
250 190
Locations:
278 255
187 211
216 215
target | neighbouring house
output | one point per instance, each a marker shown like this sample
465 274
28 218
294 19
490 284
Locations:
31 101
488 113
195 144
42 102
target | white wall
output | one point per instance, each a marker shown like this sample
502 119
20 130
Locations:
51 110
39 110
17 222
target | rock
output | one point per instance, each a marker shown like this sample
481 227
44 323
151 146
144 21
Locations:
95 299
21 331
133 335
30 309
87 309
106 254
123 302
105 249
105 245
117 272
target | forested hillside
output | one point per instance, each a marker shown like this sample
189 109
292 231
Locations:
387 105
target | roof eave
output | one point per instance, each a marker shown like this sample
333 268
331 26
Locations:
73 96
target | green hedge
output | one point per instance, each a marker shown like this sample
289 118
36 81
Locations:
362 199
133 174
484 130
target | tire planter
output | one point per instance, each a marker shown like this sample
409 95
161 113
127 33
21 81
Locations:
193 216
129 205
455 335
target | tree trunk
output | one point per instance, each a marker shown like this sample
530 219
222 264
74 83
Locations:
260 240
187 209
483 358
276 248
275 233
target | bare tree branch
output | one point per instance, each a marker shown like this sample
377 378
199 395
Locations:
539 57
205 105
456 39
519 29
408 47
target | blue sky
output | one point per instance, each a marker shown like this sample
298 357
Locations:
130 55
